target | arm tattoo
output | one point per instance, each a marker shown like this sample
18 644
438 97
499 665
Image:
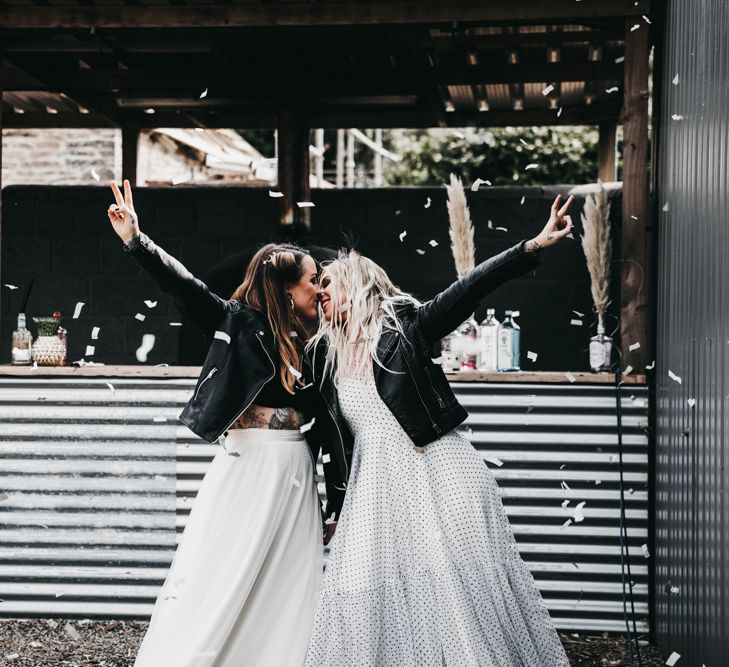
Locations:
532 246
257 416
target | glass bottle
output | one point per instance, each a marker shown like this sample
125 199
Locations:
469 340
488 342
22 342
509 344
451 358
601 347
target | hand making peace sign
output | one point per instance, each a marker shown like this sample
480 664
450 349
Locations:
558 226
122 215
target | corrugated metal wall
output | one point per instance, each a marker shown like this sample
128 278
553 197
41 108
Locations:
100 482
692 450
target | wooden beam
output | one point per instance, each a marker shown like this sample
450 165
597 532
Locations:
130 146
635 196
36 119
298 14
516 39
35 45
293 168
606 162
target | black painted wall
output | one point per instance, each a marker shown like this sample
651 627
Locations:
60 237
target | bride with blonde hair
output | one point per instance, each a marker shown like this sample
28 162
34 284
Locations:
423 569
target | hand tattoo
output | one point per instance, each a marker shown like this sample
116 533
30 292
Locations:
532 246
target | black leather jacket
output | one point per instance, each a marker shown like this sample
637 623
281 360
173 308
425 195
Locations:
417 392
240 358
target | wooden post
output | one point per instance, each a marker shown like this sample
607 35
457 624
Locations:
130 147
350 160
319 143
606 152
635 196
340 158
293 168
378 159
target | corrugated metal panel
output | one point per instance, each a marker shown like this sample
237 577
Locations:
544 434
691 503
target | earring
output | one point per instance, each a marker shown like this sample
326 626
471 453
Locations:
291 301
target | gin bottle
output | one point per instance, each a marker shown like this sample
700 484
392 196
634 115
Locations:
22 341
488 342
509 344
469 340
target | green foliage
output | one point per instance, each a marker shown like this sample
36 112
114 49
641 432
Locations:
500 155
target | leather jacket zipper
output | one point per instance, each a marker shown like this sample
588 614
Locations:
435 391
425 405
210 374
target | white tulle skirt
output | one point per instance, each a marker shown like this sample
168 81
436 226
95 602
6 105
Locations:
423 569
242 588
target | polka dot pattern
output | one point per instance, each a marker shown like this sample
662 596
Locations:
423 569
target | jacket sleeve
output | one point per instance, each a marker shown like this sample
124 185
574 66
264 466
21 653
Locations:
456 303
192 296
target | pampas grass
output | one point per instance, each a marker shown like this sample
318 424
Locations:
597 246
461 228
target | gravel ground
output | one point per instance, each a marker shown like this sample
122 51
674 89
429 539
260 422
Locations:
63 643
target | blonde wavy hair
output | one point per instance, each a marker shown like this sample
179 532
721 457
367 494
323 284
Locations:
272 268
368 304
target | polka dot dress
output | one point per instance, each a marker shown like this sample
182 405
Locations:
423 569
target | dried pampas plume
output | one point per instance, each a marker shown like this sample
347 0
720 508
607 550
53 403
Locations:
597 246
461 229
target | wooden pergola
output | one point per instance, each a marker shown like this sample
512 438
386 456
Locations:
297 65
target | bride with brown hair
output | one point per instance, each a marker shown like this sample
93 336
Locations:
244 581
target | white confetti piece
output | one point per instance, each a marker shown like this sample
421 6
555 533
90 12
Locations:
523 199
635 27
578 313
559 112
94 174
150 304
111 387
666 207
523 141
691 402
204 94
458 134
501 229
420 251
438 360
651 365
674 590
490 224
77 309
613 458
478 183
565 486
548 89
90 349
332 518
576 323
565 503
295 481
433 243
614 89
515 313
492 459
628 370
644 549
305 204
326 458
673 659
646 19
532 165
275 193
308 426
140 317
294 372
578 516
620 59
566 523
674 377
402 235
598 482
675 116
3 497
175 324
145 348
53 624
634 217
179 180
221 335
72 632
95 333
532 356
427 203
569 376
9 286
674 81
633 346
563 466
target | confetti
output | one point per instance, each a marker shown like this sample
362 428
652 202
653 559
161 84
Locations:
419 251
576 323
494 460
691 402
305 204
674 590
178 180
111 386
665 207
72 632
294 372
532 165
159 419
204 94
221 335
307 427
523 141
433 243
77 310
95 333
275 193
145 348
559 112
598 482
532 356
628 370
644 549
3 497
674 377
437 360
326 458
9 286
427 203
646 19
490 224
548 89
53 624
613 458
614 89
569 376
140 317
633 346
295 481
515 313
90 349
674 81
458 134
402 235
619 60
578 313
566 523
565 486
523 199
676 116
635 27
94 174
651 366
175 324
501 229
150 304
478 183
332 519
565 503
673 659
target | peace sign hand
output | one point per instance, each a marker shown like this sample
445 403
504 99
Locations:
122 215
558 226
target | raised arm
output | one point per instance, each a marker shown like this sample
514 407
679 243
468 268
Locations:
456 303
191 295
